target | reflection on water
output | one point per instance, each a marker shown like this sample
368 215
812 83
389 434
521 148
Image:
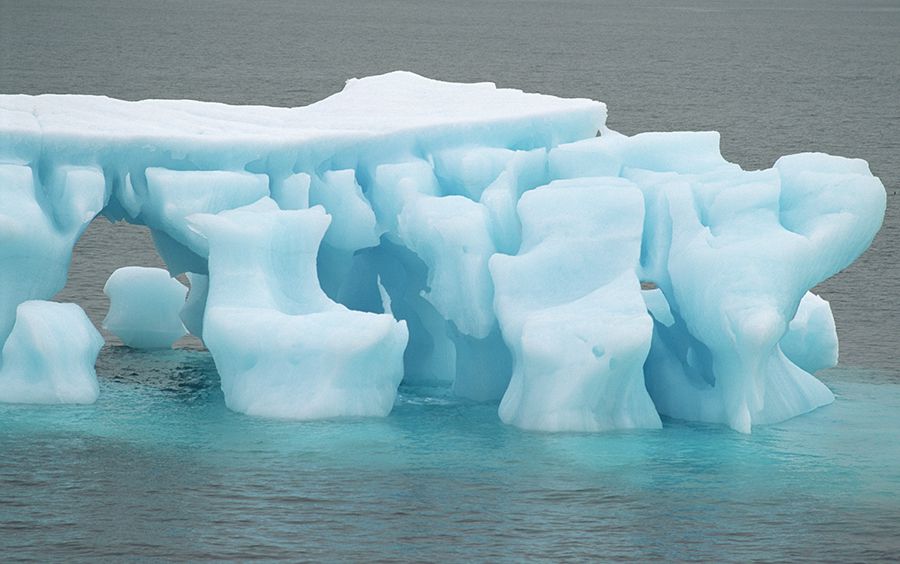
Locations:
188 377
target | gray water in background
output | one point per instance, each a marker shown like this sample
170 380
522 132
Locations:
774 78
159 469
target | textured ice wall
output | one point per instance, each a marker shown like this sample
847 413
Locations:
284 348
447 212
570 308
49 356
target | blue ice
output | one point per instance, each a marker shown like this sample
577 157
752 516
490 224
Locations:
505 245
145 307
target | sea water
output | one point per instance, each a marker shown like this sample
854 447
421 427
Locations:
158 468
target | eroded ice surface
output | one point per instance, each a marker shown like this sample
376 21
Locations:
570 308
49 356
144 307
457 235
283 348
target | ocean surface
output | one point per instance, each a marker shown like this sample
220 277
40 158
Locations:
159 469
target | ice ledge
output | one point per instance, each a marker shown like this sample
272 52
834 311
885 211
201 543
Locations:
393 105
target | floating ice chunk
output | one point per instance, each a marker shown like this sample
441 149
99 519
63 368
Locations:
282 347
570 309
49 356
144 307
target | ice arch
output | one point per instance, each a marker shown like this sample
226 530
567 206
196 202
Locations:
452 233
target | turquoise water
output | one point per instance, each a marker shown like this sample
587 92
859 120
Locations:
158 467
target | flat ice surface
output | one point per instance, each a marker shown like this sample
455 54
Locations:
367 109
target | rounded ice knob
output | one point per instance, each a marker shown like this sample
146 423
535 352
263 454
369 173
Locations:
144 307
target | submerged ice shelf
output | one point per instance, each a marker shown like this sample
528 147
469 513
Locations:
460 235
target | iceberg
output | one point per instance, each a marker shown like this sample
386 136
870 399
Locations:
145 307
49 355
505 245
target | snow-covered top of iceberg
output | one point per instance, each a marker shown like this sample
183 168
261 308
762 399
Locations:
372 108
